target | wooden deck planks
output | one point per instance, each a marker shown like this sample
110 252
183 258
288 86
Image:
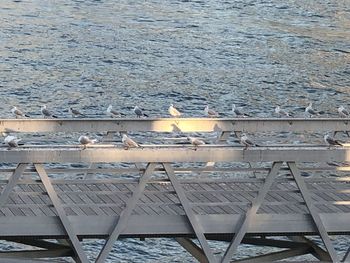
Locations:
100 198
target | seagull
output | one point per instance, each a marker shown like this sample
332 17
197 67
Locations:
11 141
246 141
129 143
343 112
236 112
281 112
194 141
46 112
309 110
210 113
85 140
331 141
112 113
139 112
173 111
18 113
75 113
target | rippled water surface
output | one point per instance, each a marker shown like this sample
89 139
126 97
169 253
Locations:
93 53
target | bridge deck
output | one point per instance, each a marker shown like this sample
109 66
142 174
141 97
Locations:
218 204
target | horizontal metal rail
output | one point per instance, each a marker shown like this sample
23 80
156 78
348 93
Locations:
177 125
173 155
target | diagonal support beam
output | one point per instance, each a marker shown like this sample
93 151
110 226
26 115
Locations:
125 214
314 214
189 213
347 256
38 243
243 225
76 245
275 256
192 248
13 180
317 251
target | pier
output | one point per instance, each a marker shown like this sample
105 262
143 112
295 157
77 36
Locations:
217 191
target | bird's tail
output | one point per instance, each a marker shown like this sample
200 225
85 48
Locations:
320 112
26 115
54 116
145 115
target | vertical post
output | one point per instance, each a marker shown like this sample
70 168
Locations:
125 214
243 225
108 136
314 214
76 246
222 139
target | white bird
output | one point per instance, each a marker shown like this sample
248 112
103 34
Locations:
194 141
112 113
11 141
343 112
139 112
310 111
85 140
331 141
210 113
246 141
46 113
18 113
173 111
281 112
236 112
128 142
75 113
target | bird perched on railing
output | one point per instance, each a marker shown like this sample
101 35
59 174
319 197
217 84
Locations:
85 140
11 141
112 113
281 112
75 113
237 113
210 112
195 141
46 113
18 113
331 141
246 141
310 111
343 112
139 113
173 111
129 143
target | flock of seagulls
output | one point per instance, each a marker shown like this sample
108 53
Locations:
13 141
174 112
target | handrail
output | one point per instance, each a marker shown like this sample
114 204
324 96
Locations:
185 154
176 125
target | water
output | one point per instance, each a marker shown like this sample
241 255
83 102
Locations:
88 54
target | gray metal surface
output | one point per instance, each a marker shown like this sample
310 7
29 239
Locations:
176 125
174 154
218 204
